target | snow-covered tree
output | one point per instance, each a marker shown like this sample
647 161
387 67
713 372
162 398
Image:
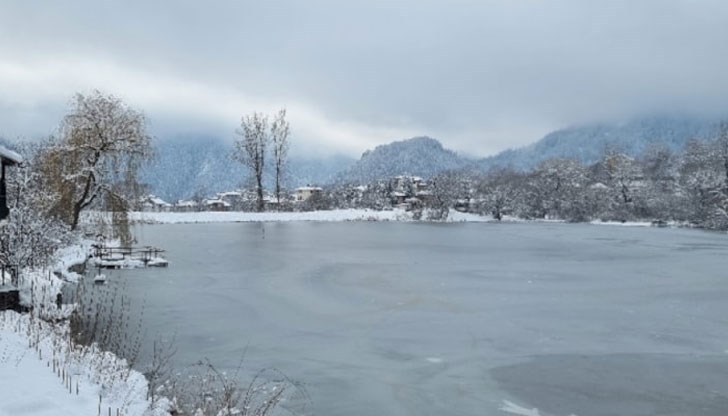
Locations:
250 149
623 178
377 195
662 194
556 188
30 236
279 132
102 144
499 192
445 190
704 177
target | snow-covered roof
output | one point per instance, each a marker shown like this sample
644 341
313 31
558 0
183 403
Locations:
308 188
8 156
232 194
158 201
398 194
190 203
217 202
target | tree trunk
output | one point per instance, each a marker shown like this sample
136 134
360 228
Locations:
259 190
278 188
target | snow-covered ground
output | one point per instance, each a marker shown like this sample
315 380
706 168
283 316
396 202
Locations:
41 375
623 224
39 287
333 215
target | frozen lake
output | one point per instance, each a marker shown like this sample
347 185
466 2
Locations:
453 319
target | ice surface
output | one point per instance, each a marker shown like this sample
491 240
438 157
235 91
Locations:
439 319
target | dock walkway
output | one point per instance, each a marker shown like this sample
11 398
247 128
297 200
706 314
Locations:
108 257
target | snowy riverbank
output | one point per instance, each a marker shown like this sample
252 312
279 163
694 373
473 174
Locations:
323 216
41 374
340 215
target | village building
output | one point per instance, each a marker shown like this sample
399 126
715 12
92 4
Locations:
409 192
234 198
153 203
305 192
186 206
216 205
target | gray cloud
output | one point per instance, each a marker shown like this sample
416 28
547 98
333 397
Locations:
480 75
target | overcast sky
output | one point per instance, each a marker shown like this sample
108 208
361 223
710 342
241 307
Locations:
481 76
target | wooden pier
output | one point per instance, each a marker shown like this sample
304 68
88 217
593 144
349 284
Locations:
127 257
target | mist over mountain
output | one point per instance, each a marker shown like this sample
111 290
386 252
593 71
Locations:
202 166
419 156
312 171
588 143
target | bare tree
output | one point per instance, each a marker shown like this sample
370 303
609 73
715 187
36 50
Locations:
279 132
159 371
97 156
250 149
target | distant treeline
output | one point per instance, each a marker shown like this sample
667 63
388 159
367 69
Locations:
690 187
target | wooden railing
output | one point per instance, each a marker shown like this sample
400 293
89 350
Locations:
145 254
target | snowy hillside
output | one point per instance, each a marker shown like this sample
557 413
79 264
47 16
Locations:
188 166
419 156
587 143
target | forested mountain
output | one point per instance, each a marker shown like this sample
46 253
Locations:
588 143
187 167
419 156
312 171
184 167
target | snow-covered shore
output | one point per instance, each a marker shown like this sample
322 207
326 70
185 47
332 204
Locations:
338 215
322 216
41 374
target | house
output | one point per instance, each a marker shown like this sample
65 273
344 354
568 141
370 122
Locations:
216 205
7 158
463 205
271 203
408 192
305 192
235 199
155 204
186 206
398 197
